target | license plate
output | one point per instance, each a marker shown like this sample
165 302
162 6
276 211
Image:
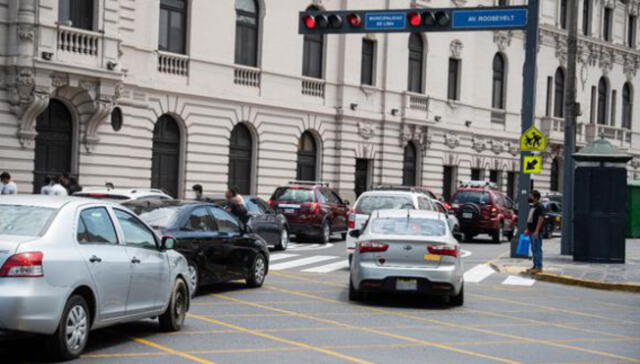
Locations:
432 257
467 215
406 284
289 211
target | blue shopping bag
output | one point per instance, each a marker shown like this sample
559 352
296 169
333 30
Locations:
524 242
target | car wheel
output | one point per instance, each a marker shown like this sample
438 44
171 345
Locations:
72 334
258 271
284 240
173 318
457 300
498 234
354 295
193 278
326 233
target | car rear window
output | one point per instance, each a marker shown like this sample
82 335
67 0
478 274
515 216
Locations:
408 226
24 220
368 204
293 195
478 197
158 217
102 196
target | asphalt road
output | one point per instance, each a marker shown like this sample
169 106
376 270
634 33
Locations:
302 315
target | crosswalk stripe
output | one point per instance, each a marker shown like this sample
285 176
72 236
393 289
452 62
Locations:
300 262
329 267
280 256
519 281
478 273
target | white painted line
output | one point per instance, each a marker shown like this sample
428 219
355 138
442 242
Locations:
329 267
519 281
300 262
294 246
478 273
280 256
464 253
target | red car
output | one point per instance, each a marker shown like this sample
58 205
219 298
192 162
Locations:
481 209
314 211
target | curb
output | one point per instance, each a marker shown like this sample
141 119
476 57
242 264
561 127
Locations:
572 281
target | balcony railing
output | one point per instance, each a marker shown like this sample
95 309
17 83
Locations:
78 41
498 116
173 64
419 102
622 137
247 76
313 87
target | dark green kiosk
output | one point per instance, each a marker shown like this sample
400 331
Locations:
600 195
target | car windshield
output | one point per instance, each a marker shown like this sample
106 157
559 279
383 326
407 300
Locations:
478 197
368 204
408 226
158 217
24 220
293 194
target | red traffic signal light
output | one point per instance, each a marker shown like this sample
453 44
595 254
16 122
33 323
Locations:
354 20
309 21
414 19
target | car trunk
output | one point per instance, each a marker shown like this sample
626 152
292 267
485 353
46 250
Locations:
295 203
404 252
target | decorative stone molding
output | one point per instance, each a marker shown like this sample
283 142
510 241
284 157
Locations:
496 146
630 66
27 131
478 144
502 38
512 148
561 49
417 134
90 86
102 108
59 80
451 140
366 130
635 163
609 4
606 61
456 48
459 2
26 32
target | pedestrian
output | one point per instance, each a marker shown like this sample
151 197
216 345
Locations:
46 188
7 186
64 181
73 186
535 221
197 191
57 189
235 205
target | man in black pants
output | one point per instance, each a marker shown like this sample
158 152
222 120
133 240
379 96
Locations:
535 222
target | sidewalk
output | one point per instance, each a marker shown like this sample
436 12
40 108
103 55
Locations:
562 269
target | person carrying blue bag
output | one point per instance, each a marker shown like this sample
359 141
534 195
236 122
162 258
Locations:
535 221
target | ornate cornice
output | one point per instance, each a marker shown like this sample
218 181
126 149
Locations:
26 32
366 130
502 38
451 140
456 48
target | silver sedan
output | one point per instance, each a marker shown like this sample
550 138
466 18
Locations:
411 251
69 265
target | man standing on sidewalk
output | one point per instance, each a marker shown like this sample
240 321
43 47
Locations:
535 222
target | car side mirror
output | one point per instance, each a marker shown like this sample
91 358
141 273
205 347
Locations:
354 233
168 242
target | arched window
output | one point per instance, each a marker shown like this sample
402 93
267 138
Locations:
53 152
307 158
247 33
416 61
410 165
240 159
173 26
603 93
165 160
555 175
497 96
627 105
312 53
558 102
79 13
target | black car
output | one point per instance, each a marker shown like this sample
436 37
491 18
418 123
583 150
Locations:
218 247
270 224
552 218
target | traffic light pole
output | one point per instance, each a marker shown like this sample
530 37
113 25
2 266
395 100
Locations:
528 112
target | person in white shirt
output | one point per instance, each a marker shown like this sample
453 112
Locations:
46 188
7 187
57 189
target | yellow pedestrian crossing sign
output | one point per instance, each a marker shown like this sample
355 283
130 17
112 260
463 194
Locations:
532 164
532 140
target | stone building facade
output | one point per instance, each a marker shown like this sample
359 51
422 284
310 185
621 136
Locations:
170 93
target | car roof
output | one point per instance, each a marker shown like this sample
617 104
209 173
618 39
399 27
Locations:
412 213
391 192
55 202
123 191
166 203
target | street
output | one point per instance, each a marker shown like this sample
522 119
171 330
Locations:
302 315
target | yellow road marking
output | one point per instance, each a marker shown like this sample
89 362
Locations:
171 351
282 340
463 327
375 331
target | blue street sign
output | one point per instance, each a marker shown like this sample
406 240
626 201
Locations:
490 18
380 21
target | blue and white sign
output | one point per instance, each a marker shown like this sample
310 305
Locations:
382 21
490 18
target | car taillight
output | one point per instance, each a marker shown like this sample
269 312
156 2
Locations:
352 220
271 203
450 250
372 247
313 207
23 265
494 212
97 195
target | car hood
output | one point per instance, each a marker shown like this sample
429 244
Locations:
9 245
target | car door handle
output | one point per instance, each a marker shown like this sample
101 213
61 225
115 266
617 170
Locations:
135 260
95 259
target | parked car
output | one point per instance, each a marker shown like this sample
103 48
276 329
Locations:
122 194
482 209
72 265
452 220
314 211
217 246
411 251
552 218
270 224
384 198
